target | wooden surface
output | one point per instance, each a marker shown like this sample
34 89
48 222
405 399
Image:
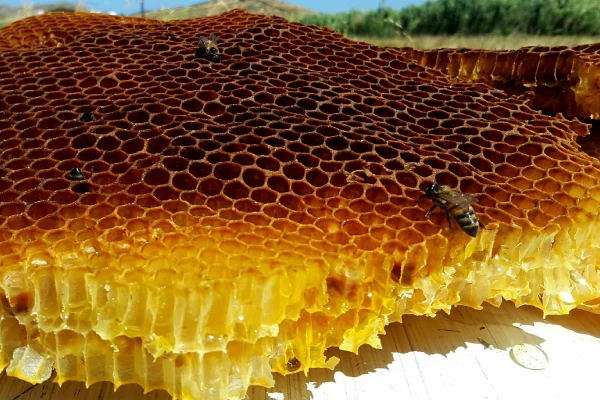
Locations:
461 356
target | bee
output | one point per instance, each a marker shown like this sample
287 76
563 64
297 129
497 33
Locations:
75 175
456 205
207 48
87 117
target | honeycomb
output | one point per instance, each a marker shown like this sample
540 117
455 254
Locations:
195 227
554 80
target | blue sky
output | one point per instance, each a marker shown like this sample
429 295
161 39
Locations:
132 6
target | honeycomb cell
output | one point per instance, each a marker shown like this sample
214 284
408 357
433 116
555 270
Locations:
226 171
156 177
184 181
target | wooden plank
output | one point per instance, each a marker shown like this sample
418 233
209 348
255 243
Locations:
464 355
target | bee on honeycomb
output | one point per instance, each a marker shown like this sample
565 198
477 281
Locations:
207 48
455 204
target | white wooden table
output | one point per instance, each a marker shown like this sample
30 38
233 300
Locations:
462 356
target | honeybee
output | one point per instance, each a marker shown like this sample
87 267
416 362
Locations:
87 117
207 48
76 174
456 205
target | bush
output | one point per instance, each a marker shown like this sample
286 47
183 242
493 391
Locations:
61 9
470 17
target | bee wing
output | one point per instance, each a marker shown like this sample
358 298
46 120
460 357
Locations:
470 199
204 40
213 38
458 198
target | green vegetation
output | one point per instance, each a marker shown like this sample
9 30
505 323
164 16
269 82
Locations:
469 17
62 9
378 23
